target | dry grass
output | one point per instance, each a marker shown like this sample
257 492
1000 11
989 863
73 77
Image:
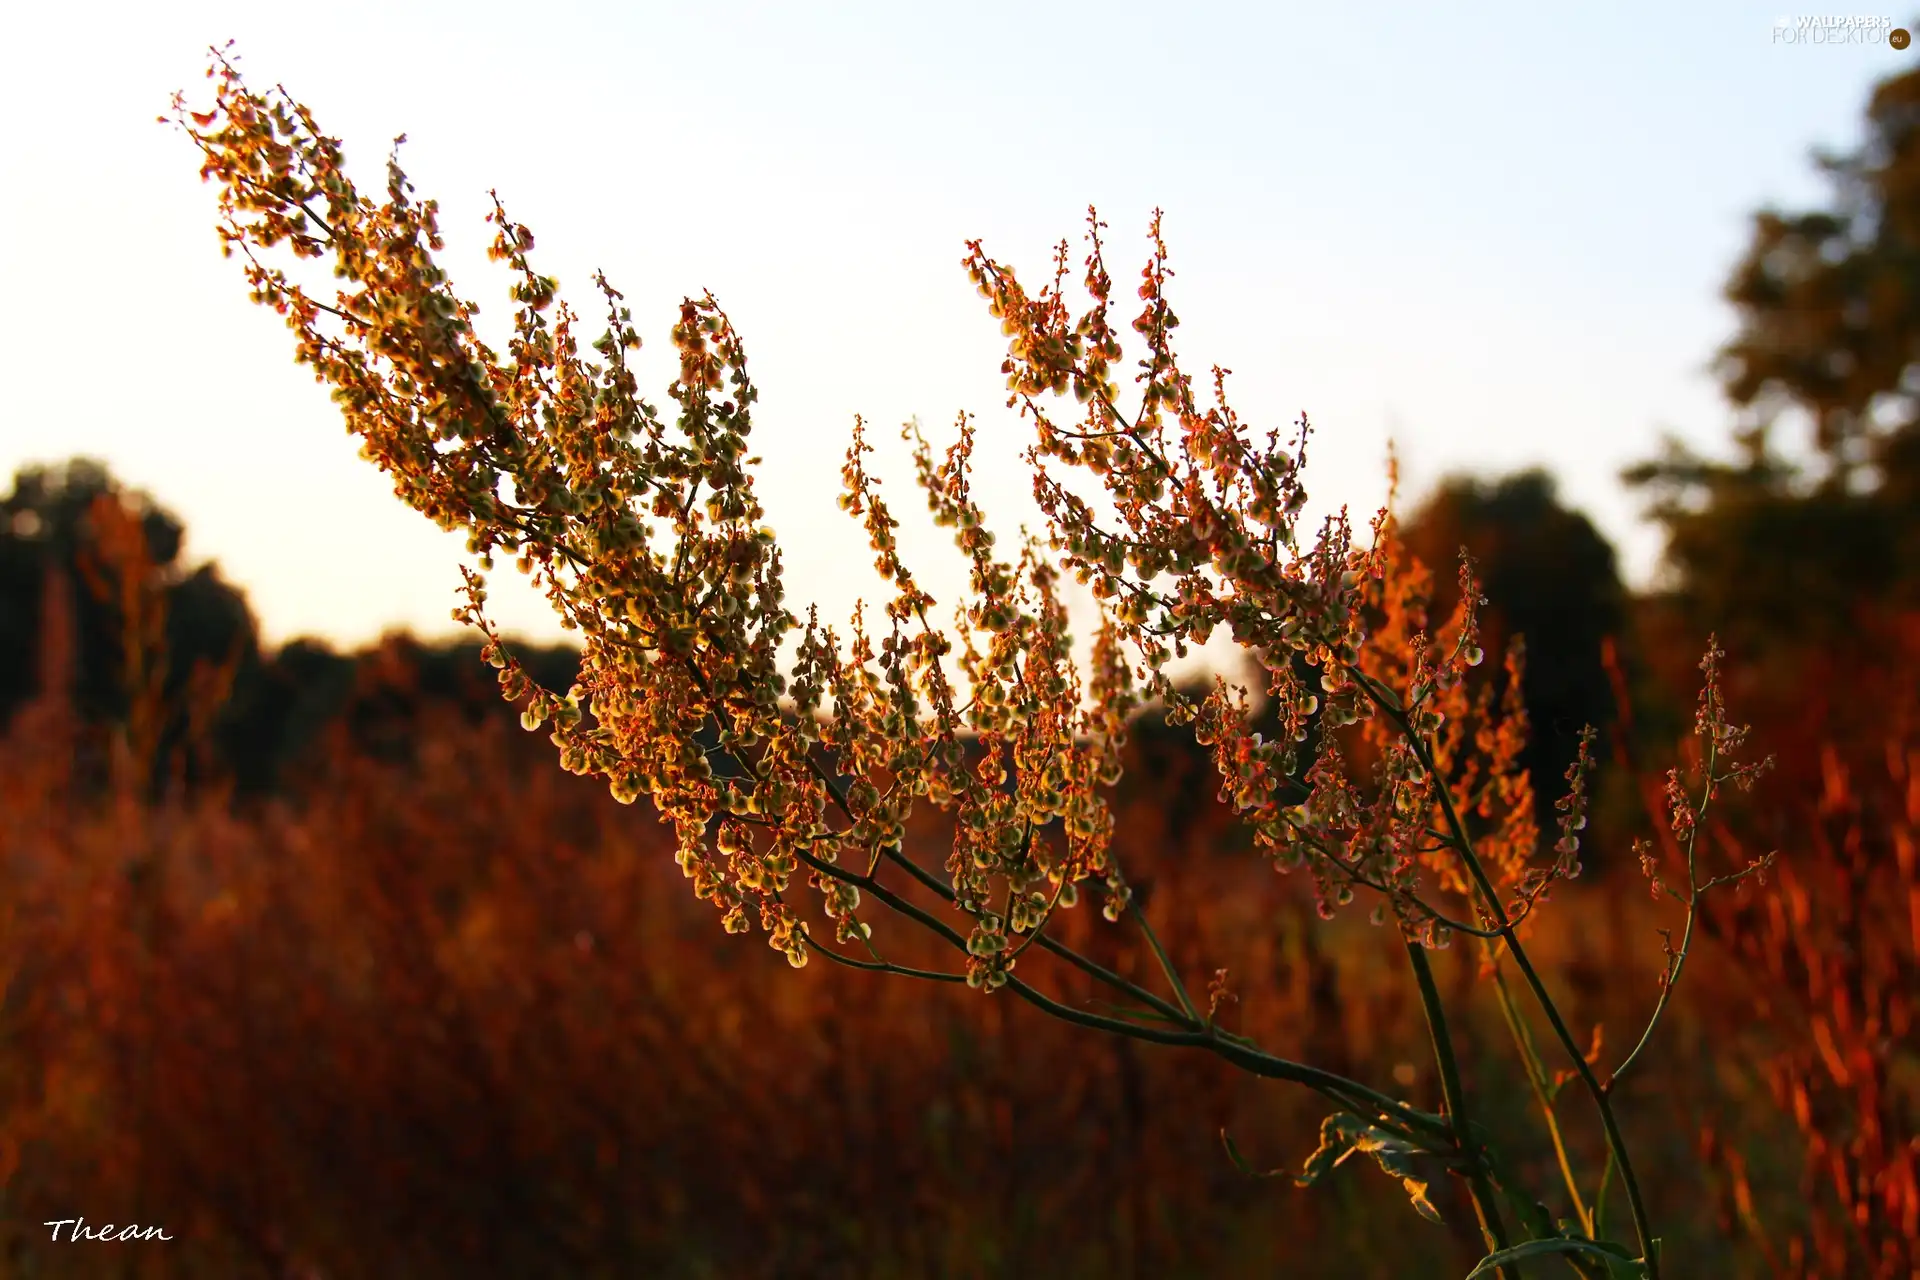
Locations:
459 1015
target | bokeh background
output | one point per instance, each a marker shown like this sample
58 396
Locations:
315 959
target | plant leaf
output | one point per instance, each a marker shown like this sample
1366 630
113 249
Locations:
1541 1248
1240 1163
1342 1134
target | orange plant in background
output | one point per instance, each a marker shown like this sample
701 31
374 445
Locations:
441 1012
276 1029
791 761
1836 951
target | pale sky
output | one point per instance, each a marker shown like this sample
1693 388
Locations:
1497 235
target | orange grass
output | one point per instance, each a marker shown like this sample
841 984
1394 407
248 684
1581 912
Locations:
459 1015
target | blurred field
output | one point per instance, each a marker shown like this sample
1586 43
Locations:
442 1010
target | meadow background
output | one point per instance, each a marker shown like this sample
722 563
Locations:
314 958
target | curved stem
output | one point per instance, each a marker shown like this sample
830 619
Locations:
1616 1141
1485 1204
1677 960
1166 964
1185 1032
1600 1196
1537 1077
1490 896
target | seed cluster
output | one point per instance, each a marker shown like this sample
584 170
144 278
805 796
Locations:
777 746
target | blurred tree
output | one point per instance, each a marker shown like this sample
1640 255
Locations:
1547 575
49 523
277 705
1778 554
1774 558
1829 299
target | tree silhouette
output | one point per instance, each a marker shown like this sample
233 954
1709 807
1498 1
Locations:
1549 576
1829 299
1781 555
51 523
276 706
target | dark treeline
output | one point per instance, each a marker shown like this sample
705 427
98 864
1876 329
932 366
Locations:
275 705
1548 574
1742 535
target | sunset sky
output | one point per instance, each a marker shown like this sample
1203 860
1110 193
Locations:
1498 236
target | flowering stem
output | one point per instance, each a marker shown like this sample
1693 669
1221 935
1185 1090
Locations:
1616 1141
1490 898
1097 972
1348 1093
1678 960
1192 1033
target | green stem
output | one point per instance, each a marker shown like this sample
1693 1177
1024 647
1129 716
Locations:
1679 960
1485 1204
1490 897
1600 1196
1537 1077
1166 965
1609 1123
1347 1093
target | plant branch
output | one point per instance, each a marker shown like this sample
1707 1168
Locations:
1485 1204
1616 1141
1542 1090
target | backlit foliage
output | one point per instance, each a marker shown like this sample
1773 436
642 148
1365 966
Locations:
648 538
789 757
